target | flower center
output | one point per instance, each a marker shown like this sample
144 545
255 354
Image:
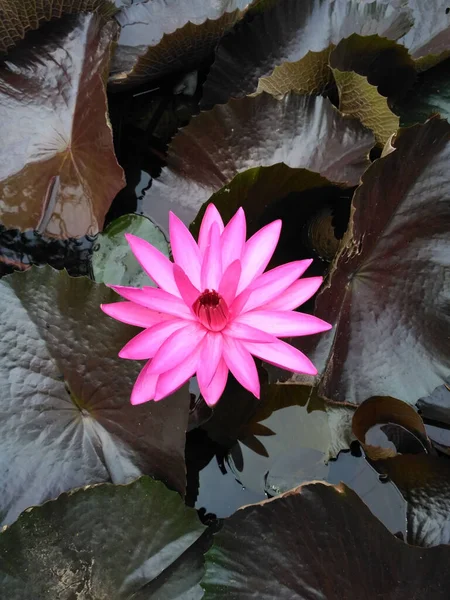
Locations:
211 310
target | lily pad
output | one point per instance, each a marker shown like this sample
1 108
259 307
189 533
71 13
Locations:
428 40
388 293
162 36
17 17
259 132
286 32
110 542
358 98
320 541
58 171
67 420
112 261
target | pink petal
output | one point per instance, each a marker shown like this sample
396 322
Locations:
257 253
282 355
211 216
172 380
157 266
245 332
272 283
239 302
144 386
209 358
177 347
230 280
233 238
214 390
211 272
296 294
241 364
155 299
283 323
188 292
146 344
133 314
184 249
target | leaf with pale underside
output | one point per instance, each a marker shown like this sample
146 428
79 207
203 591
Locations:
66 419
113 542
58 171
320 541
163 36
310 75
286 32
358 98
259 132
17 17
388 292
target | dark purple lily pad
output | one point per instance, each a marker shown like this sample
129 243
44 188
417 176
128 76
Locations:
388 295
319 541
67 420
162 36
259 132
286 32
58 171
108 541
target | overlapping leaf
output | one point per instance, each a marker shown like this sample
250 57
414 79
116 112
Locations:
388 293
64 396
58 171
286 32
260 131
19 16
113 262
429 39
319 541
163 36
116 542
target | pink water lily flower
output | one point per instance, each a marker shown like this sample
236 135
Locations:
214 308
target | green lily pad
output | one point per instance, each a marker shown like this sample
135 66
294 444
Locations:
113 262
67 420
388 293
319 541
259 131
112 542
58 170
163 36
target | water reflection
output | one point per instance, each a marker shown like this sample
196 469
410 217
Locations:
298 453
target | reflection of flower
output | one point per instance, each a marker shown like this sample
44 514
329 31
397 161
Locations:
214 309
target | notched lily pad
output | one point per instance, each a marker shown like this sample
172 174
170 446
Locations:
64 398
260 132
58 171
388 293
286 32
163 36
113 262
336 550
110 542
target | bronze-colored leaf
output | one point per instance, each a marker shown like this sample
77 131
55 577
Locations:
58 171
400 418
